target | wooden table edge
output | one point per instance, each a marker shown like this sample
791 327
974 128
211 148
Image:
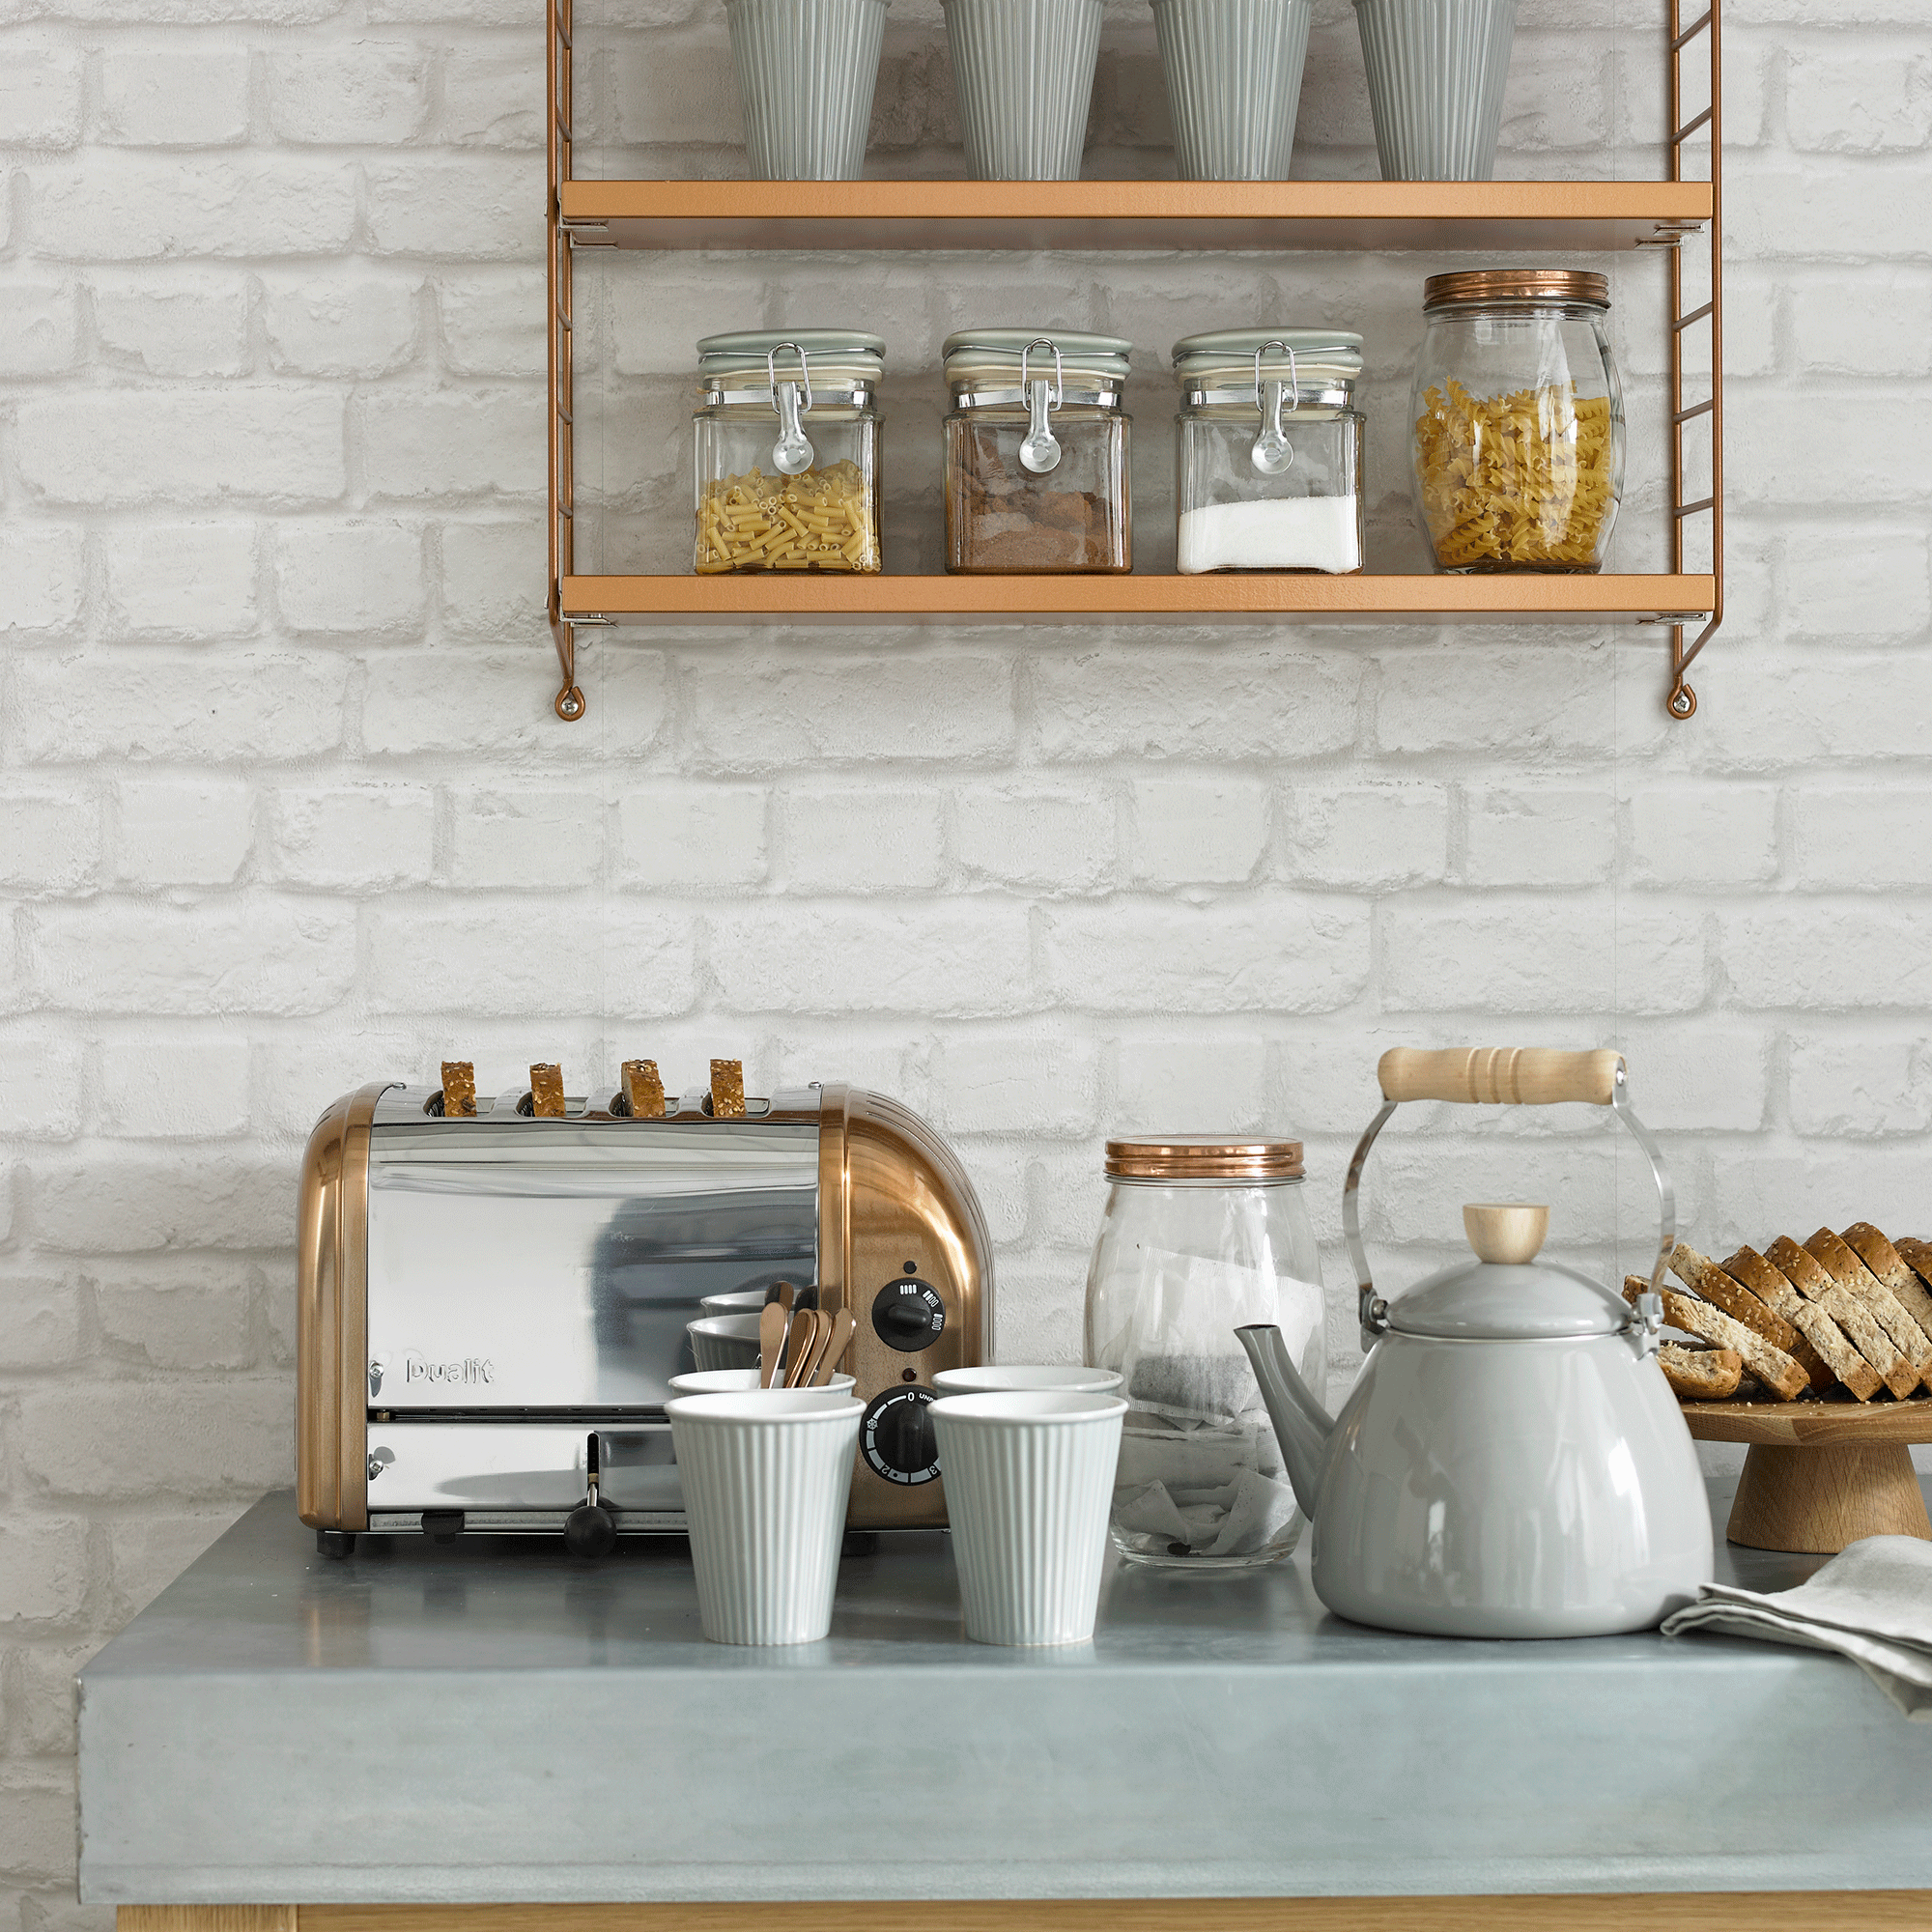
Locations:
1525 1912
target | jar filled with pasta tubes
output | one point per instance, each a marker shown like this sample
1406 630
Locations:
1519 414
787 451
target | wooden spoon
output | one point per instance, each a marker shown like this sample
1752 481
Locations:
771 1338
833 1351
798 1337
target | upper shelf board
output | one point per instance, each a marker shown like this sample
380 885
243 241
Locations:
1220 598
1588 217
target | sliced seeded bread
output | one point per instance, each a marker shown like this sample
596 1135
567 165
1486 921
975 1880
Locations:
1701 1375
1773 1367
1917 1256
1891 1267
1851 1274
1703 1276
1807 1276
1838 1352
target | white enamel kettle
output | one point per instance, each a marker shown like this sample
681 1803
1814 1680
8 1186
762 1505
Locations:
1511 1463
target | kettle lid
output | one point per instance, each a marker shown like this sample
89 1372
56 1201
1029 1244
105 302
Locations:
1506 1295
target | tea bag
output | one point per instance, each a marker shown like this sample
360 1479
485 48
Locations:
1197 1452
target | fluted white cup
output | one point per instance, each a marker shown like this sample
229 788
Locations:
1029 1476
806 71
766 1475
1007 1378
1233 84
1023 70
736 1381
724 1341
1437 72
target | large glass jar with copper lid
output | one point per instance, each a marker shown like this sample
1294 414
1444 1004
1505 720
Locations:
787 451
1519 420
1202 1235
1037 452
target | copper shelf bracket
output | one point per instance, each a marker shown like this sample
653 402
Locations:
569 703
1681 701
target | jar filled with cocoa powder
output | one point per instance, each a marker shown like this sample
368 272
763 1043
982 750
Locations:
1037 452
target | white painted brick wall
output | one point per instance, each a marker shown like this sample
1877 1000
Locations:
283 805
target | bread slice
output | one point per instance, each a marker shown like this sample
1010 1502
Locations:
1916 1255
1834 1346
1851 1274
1701 1375
1891 1267
1701 1273
1806 1274
1773 1367
1826 1362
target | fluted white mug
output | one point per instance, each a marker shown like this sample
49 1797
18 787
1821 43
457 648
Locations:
724 1340
1029 1476
1002 1379
766 1475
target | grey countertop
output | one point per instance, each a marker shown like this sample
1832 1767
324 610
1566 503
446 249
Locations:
493 1720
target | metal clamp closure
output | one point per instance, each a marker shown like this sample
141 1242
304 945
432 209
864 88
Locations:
792 453
1039 450
1271 453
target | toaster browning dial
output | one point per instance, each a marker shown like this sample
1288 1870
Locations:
896 1435
908 1314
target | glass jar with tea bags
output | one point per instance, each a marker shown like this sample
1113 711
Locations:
1203 1235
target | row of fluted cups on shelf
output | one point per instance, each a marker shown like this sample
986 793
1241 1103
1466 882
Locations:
1027 1456
1024 75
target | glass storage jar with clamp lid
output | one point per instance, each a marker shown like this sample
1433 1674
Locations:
1519 414
1037 452
1271 451
787 447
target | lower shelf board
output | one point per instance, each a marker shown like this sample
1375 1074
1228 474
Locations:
1222 598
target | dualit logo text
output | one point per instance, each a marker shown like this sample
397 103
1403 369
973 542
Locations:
470 1370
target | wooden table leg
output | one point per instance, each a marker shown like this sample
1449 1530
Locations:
1817 1499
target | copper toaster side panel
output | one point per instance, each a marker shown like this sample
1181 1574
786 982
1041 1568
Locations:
893 1200
332 1317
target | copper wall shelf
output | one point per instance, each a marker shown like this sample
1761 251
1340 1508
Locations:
1441 216
1222 597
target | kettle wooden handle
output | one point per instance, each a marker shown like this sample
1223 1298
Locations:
1525 1076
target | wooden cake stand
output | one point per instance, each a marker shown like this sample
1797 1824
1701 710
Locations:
1821 1474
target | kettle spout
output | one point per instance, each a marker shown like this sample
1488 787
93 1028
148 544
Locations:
1302 1425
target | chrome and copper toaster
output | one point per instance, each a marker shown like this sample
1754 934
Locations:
494 1295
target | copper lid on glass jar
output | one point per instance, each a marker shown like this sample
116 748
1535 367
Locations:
1204 1157
1538 288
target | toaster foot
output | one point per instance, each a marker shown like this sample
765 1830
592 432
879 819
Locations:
336 1543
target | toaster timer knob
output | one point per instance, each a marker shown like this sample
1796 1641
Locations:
908 1314
896 1435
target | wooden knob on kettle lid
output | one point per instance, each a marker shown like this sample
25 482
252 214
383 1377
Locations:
1508 1232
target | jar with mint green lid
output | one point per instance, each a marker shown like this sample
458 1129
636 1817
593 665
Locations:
786 451
1269 451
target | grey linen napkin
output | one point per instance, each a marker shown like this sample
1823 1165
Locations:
1871 1603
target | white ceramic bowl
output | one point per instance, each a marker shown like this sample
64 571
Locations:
724 1340
766 1478
1029 1477
741 1381
734 1301
1007 1378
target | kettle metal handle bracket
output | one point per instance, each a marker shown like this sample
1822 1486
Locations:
1646 1317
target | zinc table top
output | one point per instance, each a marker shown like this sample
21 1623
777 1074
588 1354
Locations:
491 1721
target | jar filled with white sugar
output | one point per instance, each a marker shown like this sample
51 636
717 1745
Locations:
1270 450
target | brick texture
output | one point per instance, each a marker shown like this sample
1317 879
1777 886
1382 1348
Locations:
284 805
